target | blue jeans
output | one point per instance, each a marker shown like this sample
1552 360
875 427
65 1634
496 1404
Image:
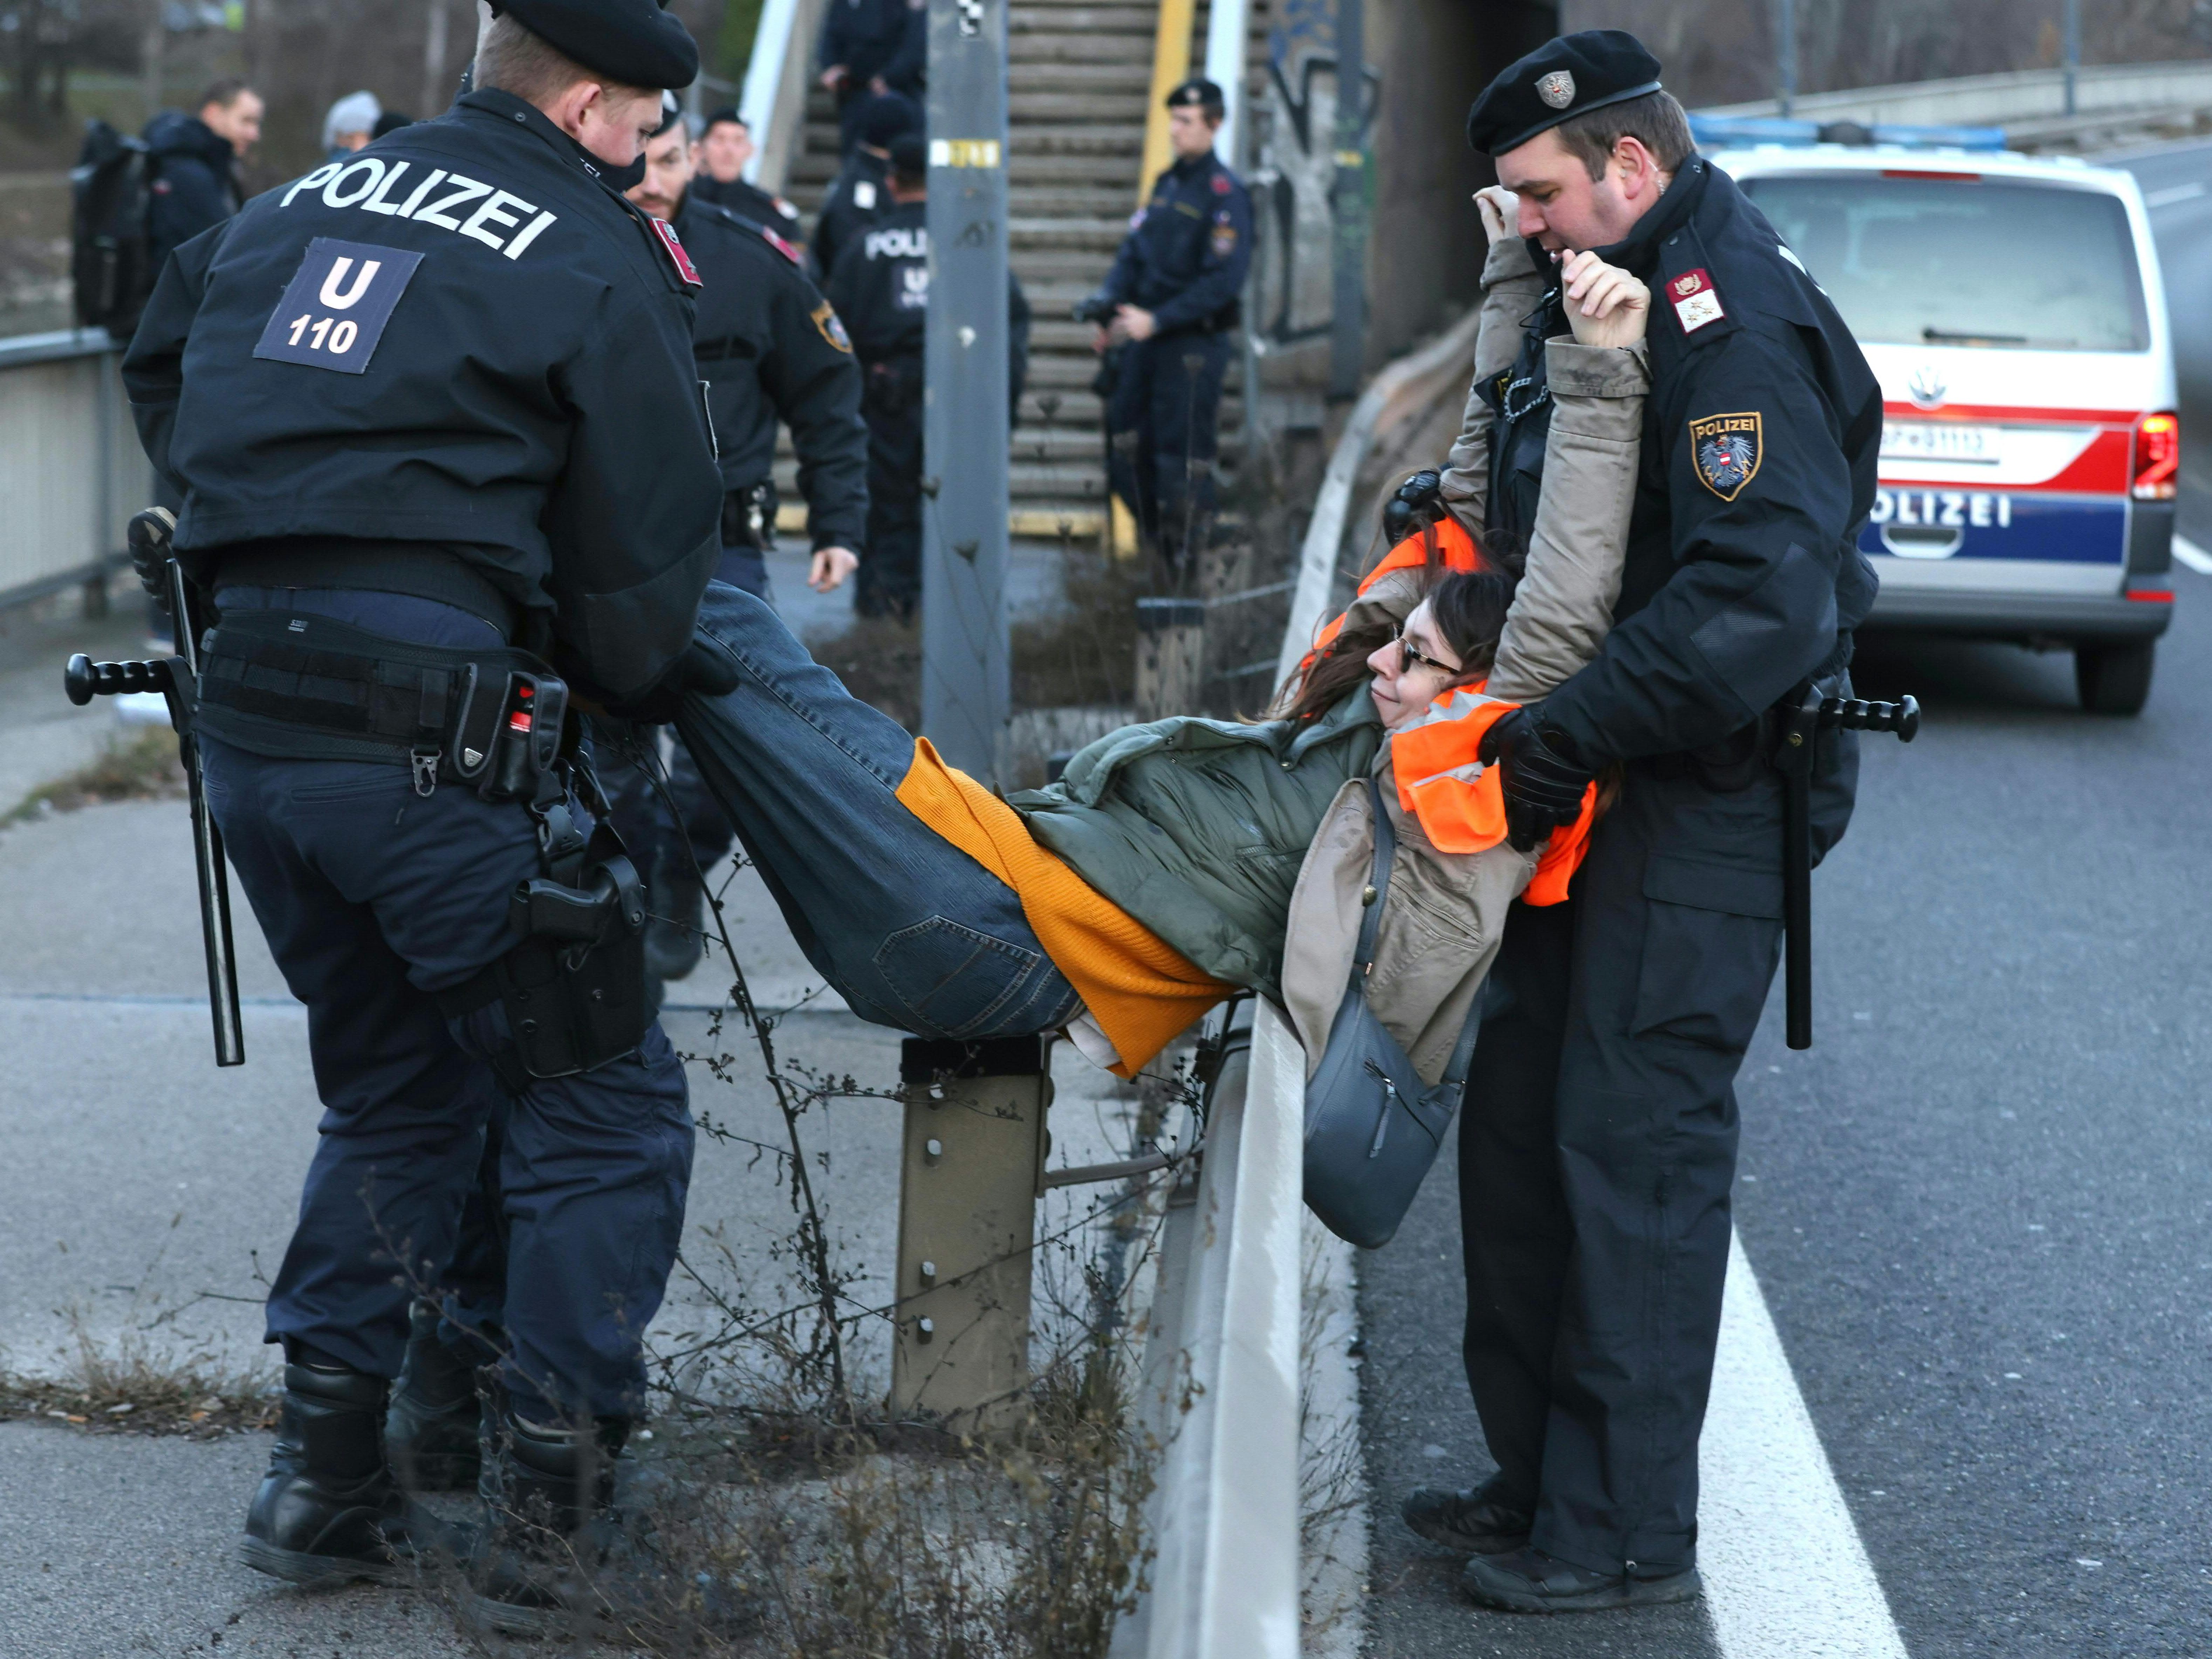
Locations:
373 899
913 932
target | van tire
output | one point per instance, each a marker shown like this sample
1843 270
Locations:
2114 679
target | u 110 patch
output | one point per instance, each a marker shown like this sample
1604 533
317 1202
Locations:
333 313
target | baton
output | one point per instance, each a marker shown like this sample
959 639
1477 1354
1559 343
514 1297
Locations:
177 679
1805 714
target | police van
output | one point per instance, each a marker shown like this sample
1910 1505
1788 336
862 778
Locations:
2012 307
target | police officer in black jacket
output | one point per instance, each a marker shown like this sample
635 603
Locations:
435 417
769 346
726 145
860 193
881 288
872 46
1173 298
1599 1146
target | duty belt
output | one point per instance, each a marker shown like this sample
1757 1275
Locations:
292 682
748 517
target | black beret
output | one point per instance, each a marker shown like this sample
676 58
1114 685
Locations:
671 111
1197 92
885 116
1562 78
633 42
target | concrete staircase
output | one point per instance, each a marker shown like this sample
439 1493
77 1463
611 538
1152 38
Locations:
1079 81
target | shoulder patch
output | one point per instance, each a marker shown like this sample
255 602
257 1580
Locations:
1697 302
1726 450
781 246
1221 186
673 245
825 319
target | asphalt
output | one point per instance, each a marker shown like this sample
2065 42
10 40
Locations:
1977 1207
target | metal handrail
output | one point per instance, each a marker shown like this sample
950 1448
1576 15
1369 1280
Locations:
773 101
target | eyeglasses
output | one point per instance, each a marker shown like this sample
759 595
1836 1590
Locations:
1407 657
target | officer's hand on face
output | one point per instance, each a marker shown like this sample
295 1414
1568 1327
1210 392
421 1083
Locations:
834 76
1605 306
1544 778
829 567
1500 209
1131 323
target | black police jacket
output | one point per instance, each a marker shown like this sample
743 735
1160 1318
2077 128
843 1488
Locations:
1187 249
767 344
881 288
1761 438
859 196
460 335
873 38
192 183
747 202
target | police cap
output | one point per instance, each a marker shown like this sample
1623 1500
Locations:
1561 79
1197 92
910 158
634 42
886 115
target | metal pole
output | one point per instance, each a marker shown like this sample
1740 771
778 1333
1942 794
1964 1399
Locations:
1785 57
1350 206
2073 54
965 684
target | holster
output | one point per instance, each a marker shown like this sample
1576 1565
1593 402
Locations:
748 517
574 988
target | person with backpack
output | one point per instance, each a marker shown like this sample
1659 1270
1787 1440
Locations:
191 166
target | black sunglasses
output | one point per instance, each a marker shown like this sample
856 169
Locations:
1408 656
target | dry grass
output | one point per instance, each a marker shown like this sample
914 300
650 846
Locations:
142 766
139 1383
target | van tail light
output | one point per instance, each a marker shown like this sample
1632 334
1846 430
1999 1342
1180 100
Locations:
2158 458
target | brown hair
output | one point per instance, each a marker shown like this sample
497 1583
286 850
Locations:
1469 607
512 59
1655 120
223 92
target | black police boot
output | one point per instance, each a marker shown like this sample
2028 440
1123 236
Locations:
1482 1519
677 920
1528 1580
328 1510
557 1548
430 1433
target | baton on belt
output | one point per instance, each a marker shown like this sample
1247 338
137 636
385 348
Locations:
177 679
1805 714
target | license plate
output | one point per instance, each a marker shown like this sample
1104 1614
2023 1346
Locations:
1941 440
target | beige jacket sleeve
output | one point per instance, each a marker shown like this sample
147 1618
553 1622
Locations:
1510 287
1564 607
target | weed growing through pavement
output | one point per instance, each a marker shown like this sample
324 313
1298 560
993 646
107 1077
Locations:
142 766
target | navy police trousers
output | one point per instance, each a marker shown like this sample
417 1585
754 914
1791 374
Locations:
374 899
1163 433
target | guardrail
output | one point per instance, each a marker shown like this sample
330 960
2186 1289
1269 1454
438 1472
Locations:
71 472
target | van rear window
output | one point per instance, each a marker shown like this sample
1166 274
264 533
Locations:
1964 261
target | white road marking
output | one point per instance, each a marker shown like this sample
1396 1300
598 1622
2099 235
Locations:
2174 193
2192 556
1786 1576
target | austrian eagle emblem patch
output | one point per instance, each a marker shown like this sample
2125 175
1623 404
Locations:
1557 90
1726 449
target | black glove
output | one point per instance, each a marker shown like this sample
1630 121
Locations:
1417 503
148 538
701 668
1544 778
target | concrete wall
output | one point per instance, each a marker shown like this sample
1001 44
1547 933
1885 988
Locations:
1435 57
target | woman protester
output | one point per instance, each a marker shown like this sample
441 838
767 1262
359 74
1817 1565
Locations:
1179 861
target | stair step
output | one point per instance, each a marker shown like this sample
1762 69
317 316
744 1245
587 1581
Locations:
1023 51
1081 75
1082 18
1032 105
1027 203
1101 234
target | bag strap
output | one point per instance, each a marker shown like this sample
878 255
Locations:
1379 884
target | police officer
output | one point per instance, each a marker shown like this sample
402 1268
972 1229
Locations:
768 346
1173 298
860 193
719 159
872 46
881 288
1599 1147
433 415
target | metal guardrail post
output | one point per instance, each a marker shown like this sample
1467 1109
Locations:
969 1176
1170 656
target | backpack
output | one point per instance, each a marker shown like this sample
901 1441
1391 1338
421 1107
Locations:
109 267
